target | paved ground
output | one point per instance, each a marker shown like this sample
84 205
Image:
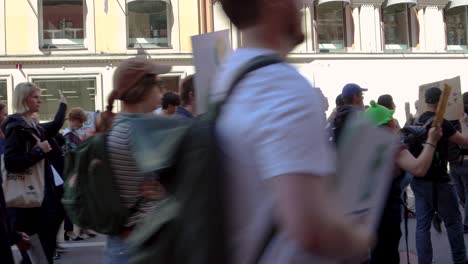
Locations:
91 251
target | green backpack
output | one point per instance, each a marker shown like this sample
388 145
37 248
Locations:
189 227
90 198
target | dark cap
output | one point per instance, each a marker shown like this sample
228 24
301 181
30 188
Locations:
351 89
432 95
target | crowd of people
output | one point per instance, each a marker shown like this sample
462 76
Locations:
277 148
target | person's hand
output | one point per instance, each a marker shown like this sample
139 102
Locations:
364 241
465 119
24 244
44 146
153 189
62 99
435 133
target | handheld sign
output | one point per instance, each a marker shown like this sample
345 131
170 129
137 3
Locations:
407 111
365 160
442 106
209 51
454 110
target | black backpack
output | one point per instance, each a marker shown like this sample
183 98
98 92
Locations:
415 135
190 226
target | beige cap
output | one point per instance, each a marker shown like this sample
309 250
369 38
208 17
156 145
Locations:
131 71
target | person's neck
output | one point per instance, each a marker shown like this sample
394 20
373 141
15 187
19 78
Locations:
431 108
135 109
28 115
259 38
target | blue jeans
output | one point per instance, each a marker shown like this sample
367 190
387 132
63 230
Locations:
447 208
116 250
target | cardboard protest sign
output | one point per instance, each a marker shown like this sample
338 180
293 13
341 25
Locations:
209 50
35 252
365 162
454 109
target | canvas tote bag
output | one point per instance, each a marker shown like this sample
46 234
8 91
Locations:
25 189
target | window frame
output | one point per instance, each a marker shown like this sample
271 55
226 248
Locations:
409 32
315 27
9 84
173 32
455 48
181 75
99 92
88 30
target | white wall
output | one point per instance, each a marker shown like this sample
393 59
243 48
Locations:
398 77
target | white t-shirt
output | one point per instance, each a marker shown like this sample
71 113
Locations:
273 124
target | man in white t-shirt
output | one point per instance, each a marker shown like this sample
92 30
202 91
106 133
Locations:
275 148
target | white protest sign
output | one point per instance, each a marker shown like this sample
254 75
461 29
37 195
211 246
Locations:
455 104
209 50
35 252
89 125
365 162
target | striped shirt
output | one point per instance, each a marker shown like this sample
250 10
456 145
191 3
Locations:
127 176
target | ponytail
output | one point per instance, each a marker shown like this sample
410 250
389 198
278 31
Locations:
107 117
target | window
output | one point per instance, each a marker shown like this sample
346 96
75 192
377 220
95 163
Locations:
396 27
80 92
149 23
331 26
63 23
457 20
171 83
3 92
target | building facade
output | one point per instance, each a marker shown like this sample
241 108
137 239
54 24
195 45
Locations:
390 46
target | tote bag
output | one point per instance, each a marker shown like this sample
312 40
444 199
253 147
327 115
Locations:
24 189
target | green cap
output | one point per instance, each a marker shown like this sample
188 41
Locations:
379 115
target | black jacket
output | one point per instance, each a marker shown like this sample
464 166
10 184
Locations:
342 115
21 151
7 234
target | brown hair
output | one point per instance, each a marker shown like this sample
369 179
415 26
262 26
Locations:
132 96
2 107
78 114
242 13
186 88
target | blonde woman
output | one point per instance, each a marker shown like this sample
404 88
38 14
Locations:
22 151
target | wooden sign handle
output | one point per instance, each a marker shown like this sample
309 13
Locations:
442 106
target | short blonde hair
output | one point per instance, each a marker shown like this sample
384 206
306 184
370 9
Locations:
21 92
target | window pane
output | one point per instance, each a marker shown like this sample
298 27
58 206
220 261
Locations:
171 83
396 27
148 25
456 19
79 93
3 92
330 26
63 22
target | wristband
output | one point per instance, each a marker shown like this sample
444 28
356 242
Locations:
430 144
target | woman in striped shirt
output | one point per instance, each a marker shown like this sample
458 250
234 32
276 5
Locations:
138 87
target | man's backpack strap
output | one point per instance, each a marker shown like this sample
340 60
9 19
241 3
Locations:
253 65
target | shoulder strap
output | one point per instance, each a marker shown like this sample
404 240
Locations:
252 65
417 121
